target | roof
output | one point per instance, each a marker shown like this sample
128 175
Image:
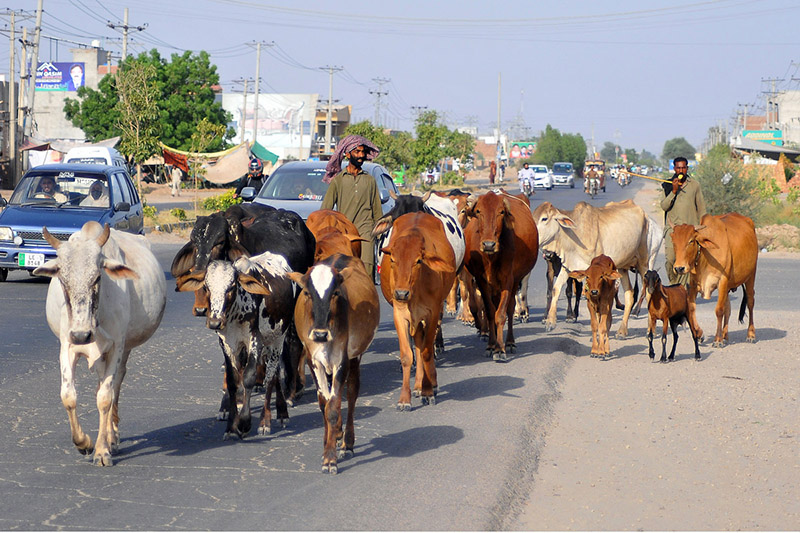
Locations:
767 150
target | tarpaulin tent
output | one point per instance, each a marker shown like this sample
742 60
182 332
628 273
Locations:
221 167
262 153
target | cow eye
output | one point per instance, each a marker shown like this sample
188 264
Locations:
419 261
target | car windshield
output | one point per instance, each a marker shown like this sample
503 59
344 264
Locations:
540 170
88 160
562 167
288 183
67 188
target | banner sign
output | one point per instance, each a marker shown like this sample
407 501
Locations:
60 76
773 137
522 149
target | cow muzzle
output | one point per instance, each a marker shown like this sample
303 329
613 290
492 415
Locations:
488 247
680 269
214 323
199 311
80 337
402 295
320 335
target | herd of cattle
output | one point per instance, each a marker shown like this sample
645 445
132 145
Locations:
283 293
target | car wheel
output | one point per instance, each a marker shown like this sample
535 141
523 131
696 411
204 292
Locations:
572 185
3 274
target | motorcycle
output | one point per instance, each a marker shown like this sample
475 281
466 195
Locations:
591 189
526 187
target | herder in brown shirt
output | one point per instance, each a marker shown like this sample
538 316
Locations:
354 192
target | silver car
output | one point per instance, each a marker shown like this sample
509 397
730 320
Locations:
298 186
564 174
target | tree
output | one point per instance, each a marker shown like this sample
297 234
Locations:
429 146
396 151
204 136
553 147
677 147
138 112
185 96
609 151
727 184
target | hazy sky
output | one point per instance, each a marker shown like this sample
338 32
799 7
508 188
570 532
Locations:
637 72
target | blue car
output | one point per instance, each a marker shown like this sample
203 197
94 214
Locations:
62 198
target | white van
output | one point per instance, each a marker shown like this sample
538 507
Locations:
97 155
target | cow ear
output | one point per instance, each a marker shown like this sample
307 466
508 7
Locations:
564 221
383 225
613 275
117 270
707 243
386 250
297 277
49 269
580 275
236 251
183 260
252 285
190 282
439 265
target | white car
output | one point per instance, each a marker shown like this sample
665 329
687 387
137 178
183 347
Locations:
542 177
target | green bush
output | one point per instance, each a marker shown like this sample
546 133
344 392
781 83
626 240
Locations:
221 202
150 211
730 187
178 213
452 178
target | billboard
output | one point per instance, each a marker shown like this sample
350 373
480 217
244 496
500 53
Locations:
60 76
773 137
522 149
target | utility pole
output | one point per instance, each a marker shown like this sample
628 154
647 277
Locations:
378 93
23 69
244 105
32 70
744 119
125 29
329 116
12 107
497 153
258 87
769 95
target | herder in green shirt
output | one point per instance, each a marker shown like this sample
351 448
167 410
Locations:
682 203
354 192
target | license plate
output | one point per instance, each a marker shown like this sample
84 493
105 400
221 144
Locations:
30 260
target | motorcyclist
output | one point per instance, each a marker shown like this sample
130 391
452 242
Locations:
254 178
592 175
525 175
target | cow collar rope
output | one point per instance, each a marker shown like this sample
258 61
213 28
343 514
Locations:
504 193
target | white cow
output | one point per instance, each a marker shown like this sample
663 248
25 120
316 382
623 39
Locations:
106 296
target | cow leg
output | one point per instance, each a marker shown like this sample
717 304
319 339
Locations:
105 398
606 333
691 311
259 385
353 388
406 357
272 376
550 321
451 302
426 364
244 418
69 399
595 326
695 338
294 360
750 294
723 313
119 376
521 300
333 420
574 288
553 268
505 310
622 332
489 311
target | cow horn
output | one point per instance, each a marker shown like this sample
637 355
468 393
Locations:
55 243
392 194
427 195
103 238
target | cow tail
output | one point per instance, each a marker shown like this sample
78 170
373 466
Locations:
743 307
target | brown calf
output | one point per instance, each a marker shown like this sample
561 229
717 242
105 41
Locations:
599 288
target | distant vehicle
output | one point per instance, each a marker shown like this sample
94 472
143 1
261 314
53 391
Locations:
564 174
95 155
600 167
298 186
431 176
62 198
542 178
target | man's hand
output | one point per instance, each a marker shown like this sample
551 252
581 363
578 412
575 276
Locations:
676 185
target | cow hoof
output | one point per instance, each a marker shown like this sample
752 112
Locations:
697 357
86 451
571 319
330 469
751 340
348 452
511 347
416 393
489 352
264 430
259 389
222 415
103 459
232 435
500 357
404 407
484 336
283 422
719 344
549 327
620 335
428 400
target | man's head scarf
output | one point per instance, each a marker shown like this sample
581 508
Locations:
344 147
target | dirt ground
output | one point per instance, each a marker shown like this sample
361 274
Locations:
709 445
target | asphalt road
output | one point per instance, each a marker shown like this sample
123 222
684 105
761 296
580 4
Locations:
467 463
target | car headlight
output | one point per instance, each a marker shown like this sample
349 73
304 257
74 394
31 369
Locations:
6 234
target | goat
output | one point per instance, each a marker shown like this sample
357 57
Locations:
671 306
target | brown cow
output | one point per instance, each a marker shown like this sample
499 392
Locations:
322 220
336 315
599 287
502 248
417 270
721 253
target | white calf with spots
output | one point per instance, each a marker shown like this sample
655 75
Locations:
106 296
